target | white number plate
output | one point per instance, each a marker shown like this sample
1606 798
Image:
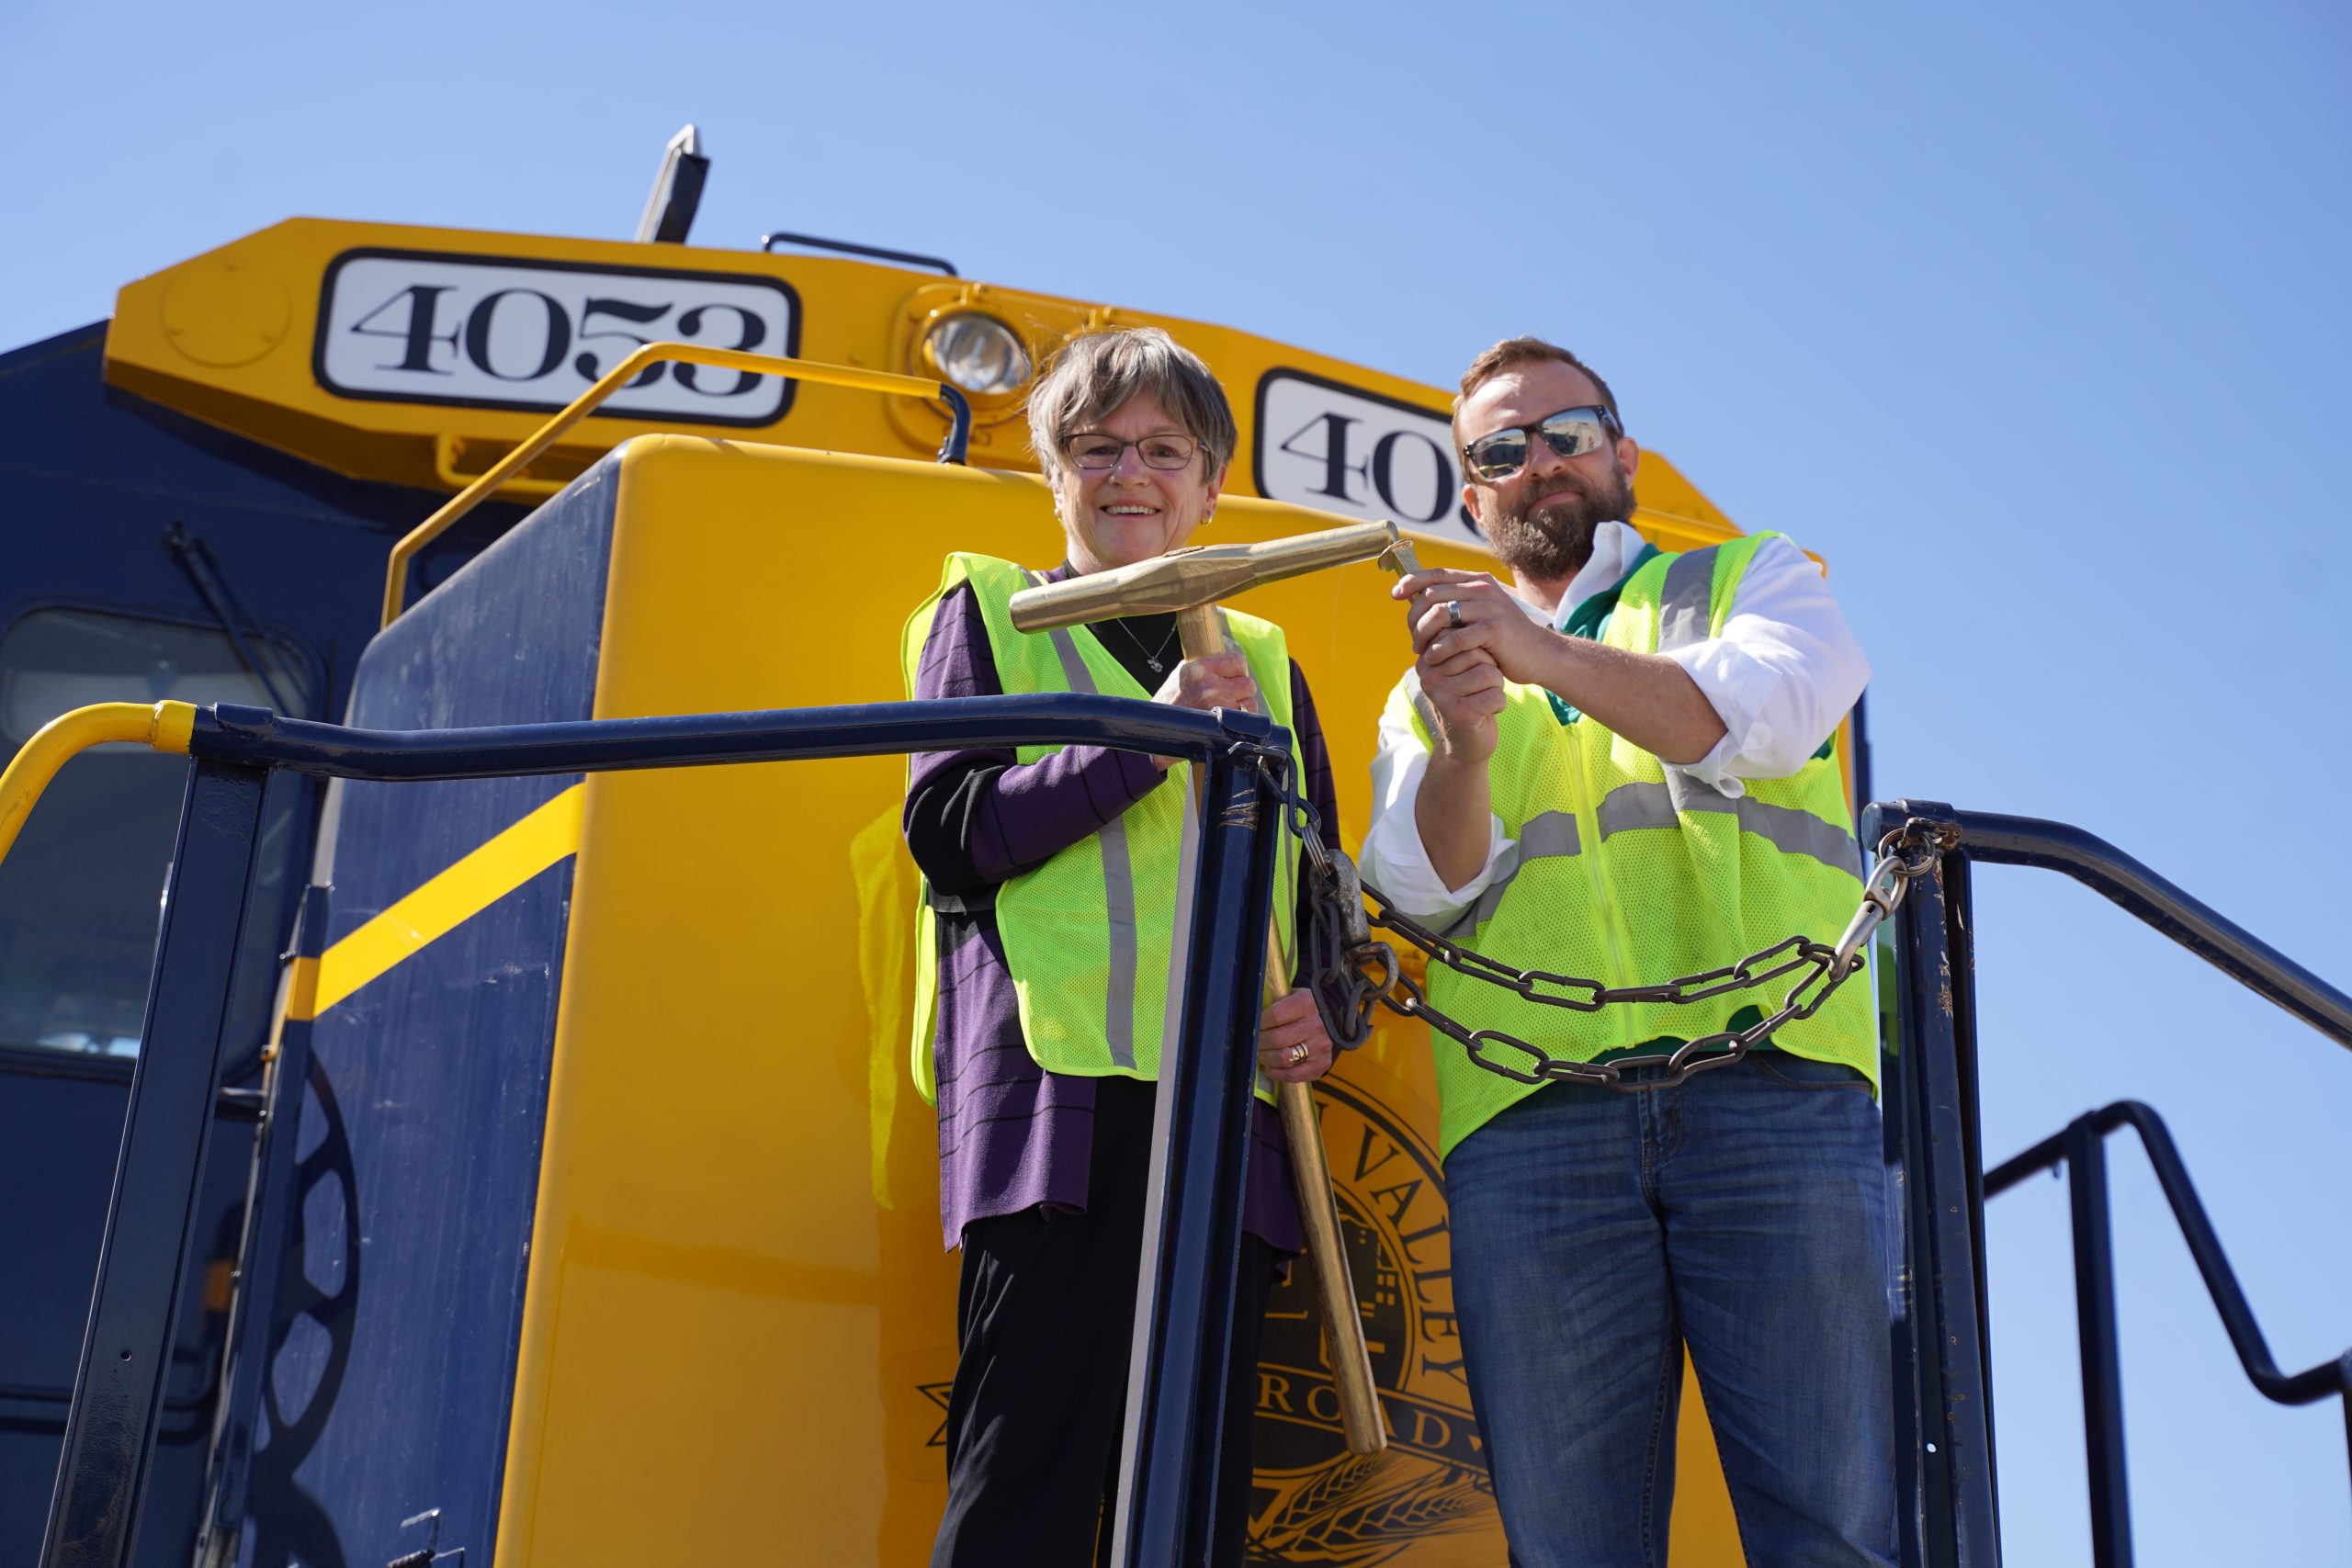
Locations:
1324 445
411 326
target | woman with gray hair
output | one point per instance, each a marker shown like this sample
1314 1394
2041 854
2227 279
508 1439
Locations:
1050 882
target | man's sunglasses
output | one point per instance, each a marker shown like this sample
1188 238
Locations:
1571 433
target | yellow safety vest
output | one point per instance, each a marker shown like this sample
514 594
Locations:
1625 872
1092 936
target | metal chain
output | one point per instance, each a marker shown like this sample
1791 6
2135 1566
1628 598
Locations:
1354 974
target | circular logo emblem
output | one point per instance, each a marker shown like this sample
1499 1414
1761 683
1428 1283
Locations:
1427 1498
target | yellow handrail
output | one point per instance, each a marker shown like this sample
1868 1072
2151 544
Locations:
445 447
164 725
613 380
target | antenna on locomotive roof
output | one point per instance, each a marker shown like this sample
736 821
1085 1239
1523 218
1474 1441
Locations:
677 191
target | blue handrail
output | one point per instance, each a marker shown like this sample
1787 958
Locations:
249 736
2100 866
2081 1147
1186 1287
1943 1365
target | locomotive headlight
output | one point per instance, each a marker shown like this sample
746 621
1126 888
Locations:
976 353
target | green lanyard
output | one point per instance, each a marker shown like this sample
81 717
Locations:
1591 619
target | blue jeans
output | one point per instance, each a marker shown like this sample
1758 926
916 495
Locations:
1596 1232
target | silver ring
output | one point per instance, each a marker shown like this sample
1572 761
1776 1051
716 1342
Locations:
1454 613
1300 1051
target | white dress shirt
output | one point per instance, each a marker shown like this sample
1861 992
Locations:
1781 677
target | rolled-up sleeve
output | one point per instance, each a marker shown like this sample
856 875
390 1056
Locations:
1394 860
1782 674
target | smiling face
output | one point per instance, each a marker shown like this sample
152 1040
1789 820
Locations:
1540 520
1131 513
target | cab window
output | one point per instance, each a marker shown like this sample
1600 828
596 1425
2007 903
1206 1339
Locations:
81 892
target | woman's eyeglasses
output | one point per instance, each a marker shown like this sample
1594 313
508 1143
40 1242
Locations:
1571 433
1099 453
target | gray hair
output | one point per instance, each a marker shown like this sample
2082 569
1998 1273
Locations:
1098 374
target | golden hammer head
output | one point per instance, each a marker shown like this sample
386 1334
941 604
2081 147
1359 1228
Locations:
1186 578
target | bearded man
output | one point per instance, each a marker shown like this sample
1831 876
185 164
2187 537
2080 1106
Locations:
1620 767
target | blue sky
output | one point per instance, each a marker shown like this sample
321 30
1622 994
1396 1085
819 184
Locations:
2032 318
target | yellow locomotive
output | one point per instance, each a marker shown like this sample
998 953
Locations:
606 1229
511 1160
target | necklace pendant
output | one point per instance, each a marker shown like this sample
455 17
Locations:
1156 668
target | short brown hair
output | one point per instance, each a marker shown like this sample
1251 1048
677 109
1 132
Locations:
1513 352
1096 375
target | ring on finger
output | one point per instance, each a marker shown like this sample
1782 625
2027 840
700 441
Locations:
1454 613
1300 1051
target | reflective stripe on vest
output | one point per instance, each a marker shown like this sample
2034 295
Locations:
1786 828
1633 873
1118 882
1550 835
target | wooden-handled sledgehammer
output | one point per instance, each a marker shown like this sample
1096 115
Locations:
1189 583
